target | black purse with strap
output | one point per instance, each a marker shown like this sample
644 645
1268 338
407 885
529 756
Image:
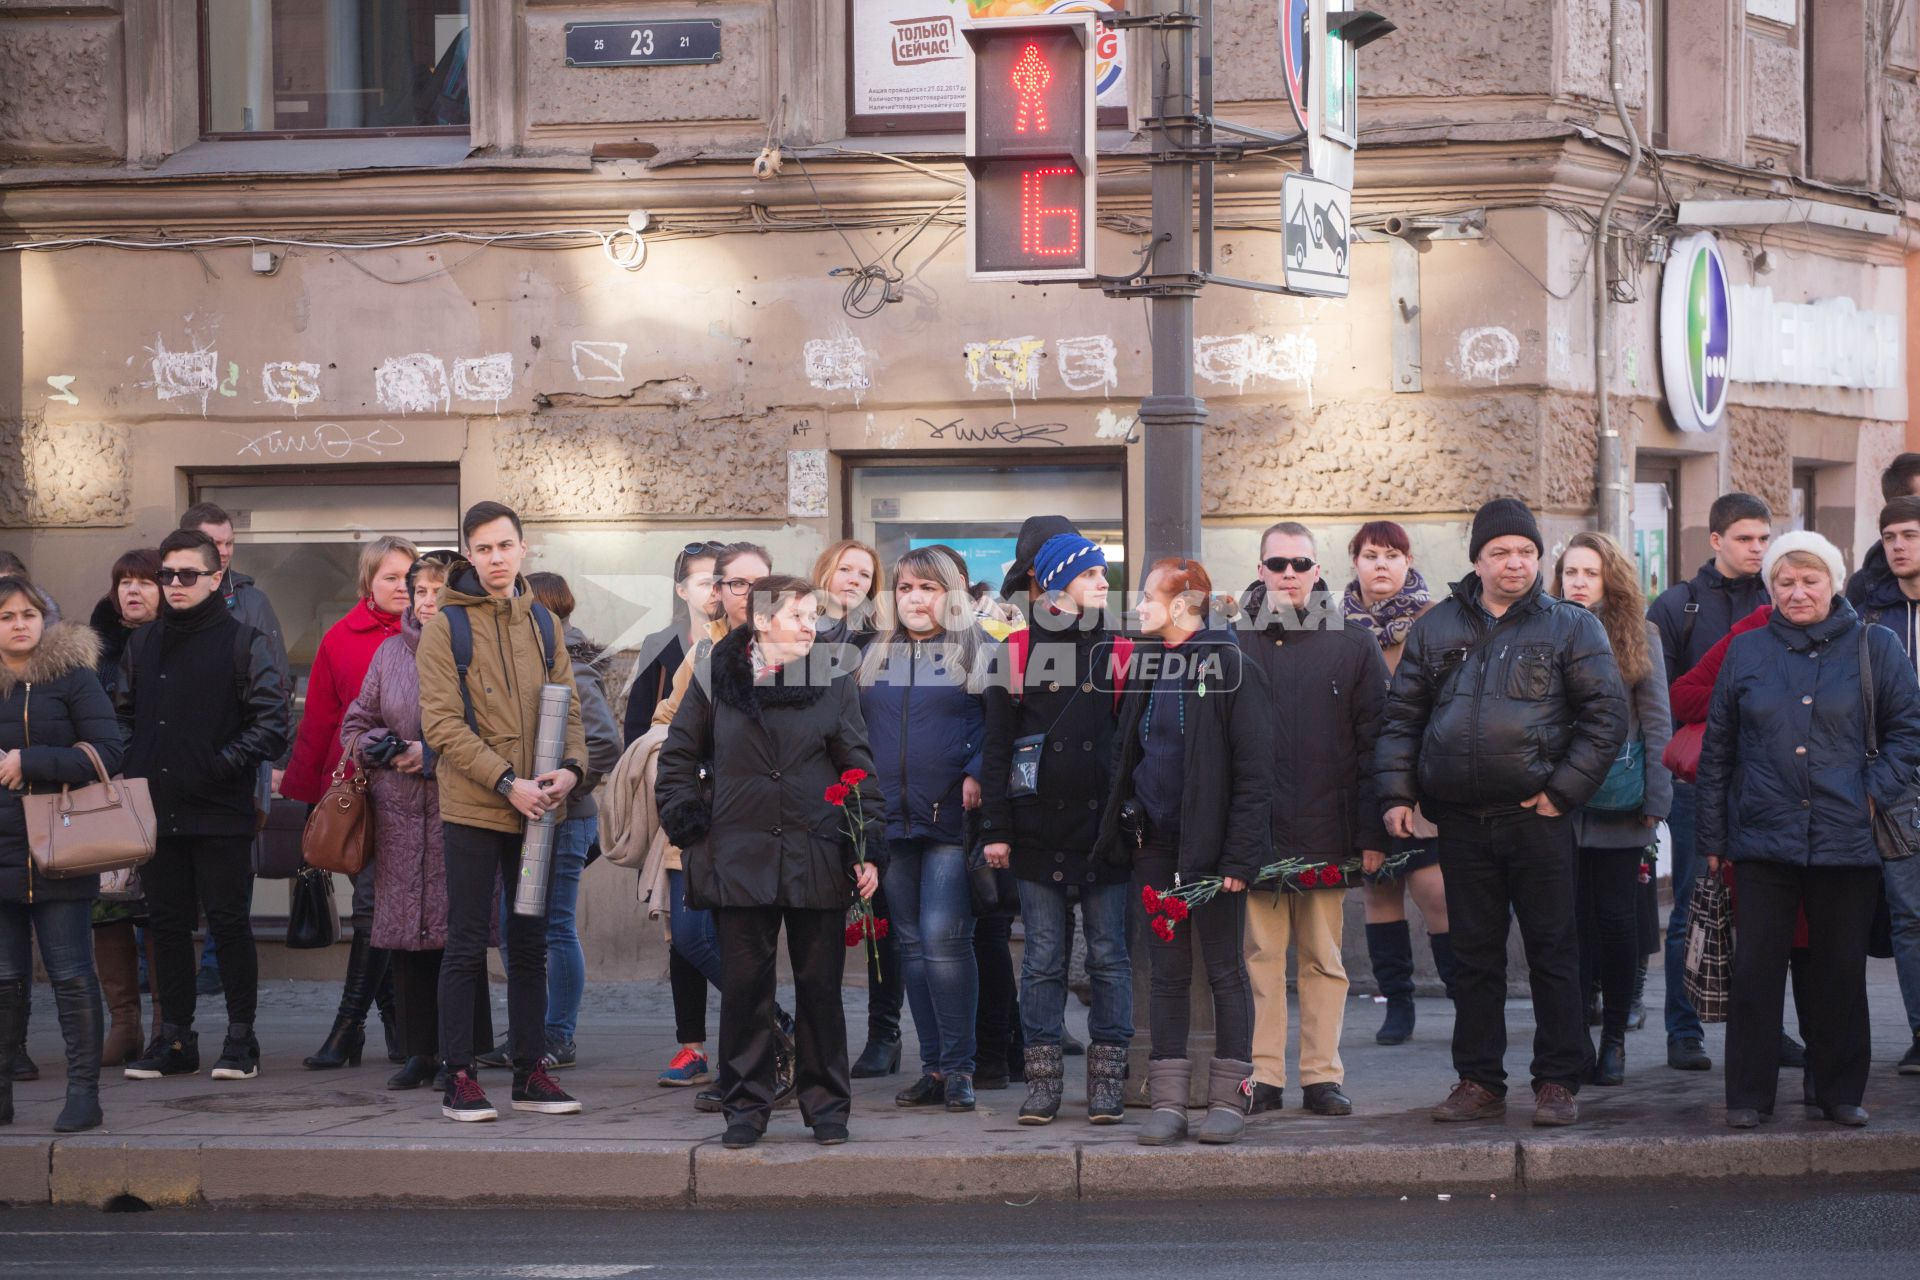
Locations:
1896 828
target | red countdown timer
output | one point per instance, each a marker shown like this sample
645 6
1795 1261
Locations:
1030 147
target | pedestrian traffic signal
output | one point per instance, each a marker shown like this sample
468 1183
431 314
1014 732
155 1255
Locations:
1030 147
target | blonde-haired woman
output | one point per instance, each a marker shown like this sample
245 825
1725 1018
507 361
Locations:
1789 776
1616 826
852 588
339 669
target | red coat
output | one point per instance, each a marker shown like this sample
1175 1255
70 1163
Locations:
1692 693
339 669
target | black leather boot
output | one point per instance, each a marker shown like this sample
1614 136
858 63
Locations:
1390 948
83 1024
13 1022
389 1008
347 1041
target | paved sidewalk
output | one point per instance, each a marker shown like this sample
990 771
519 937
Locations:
297 1136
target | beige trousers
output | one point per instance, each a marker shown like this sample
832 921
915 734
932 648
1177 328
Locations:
1312 922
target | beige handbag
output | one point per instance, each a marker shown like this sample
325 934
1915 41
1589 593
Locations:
83 831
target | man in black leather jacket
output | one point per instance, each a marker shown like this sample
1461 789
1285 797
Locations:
1506 713
203 704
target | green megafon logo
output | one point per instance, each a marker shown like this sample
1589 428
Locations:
1696 317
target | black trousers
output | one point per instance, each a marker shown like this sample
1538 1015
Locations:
1221 927
749 939
477 861
689 988
1606 907
416 993
1840 903
189 875
886 986
996 1023
1516 867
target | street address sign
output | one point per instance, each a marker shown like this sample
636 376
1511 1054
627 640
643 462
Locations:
674 42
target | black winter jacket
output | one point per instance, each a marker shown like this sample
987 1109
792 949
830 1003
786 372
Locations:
198 726
1784 773
1539 708
57 702
1067 693
1721 601
113 635
925 728
1327 683
1226 804
742 780
1876 596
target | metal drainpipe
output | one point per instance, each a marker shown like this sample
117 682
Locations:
1610 465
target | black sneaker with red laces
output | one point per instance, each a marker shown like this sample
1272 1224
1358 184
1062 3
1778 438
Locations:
536 1091
465 1099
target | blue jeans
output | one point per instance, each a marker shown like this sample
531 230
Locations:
933 922
1043 971
692 929
66 939
566 962
1903 906
1682 1022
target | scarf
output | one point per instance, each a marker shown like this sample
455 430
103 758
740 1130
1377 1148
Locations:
1392 618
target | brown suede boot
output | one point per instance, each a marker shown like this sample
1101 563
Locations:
116 958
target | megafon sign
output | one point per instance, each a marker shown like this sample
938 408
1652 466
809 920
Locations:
1696 323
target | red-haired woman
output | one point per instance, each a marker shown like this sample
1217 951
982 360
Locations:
1191 794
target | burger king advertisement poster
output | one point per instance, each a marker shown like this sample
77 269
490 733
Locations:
908 58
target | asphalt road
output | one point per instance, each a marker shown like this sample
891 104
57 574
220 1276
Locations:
1862 1231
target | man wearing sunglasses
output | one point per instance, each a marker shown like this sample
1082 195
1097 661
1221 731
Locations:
1328 689
203 703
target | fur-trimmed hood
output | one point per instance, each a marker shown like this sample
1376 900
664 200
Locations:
64 647
733 682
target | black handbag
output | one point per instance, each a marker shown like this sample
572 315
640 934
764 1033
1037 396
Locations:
985 893
313 921
1896 828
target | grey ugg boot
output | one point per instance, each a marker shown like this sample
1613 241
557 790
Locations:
1227 1097
1168 1080
1106 1083
1045 1077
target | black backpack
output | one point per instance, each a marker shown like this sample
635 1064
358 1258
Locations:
461 628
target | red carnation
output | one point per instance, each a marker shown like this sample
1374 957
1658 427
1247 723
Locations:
837 794
853 935
1149 899
1309 878
854 777
880 928
1164 928
1330 875
1176 908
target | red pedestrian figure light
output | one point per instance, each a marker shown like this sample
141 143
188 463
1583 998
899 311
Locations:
1031 76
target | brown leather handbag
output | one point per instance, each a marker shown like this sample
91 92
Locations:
339 831
83 831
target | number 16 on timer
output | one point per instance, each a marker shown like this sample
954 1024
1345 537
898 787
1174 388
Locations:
1031 179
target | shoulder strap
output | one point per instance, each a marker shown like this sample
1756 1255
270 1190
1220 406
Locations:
460 634
1692 611
1867 695
544 624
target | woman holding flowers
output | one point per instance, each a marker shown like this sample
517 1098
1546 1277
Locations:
920 698
742 790
1192 794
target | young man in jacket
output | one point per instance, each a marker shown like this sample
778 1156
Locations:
1692 617
1887 591
204 705
1900 479
482 722
1328 686
1506 714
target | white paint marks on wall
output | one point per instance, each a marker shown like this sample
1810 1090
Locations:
1087 364
1009 363
62 384
807 483
291 382
1236 359
183 375
1108 425
488 377
599 361
411 384
1487 353
838 363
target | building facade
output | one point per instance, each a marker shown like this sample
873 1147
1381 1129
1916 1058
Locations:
727 298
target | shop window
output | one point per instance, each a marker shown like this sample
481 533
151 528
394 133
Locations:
284 67
1656 525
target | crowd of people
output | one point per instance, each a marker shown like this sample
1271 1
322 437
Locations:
891 758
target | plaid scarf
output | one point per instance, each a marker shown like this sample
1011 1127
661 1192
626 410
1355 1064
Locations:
1392 618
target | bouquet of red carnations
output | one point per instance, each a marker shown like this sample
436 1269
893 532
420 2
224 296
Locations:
1167 908
862 924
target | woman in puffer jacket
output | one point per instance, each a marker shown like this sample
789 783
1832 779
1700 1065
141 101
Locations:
1788 787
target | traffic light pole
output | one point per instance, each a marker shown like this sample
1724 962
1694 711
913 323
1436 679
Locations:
1172 416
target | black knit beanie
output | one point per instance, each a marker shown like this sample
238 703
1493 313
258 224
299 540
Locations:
1503 518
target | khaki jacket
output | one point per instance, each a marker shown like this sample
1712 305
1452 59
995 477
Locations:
504 682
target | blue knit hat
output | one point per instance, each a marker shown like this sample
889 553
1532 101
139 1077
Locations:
1064 557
